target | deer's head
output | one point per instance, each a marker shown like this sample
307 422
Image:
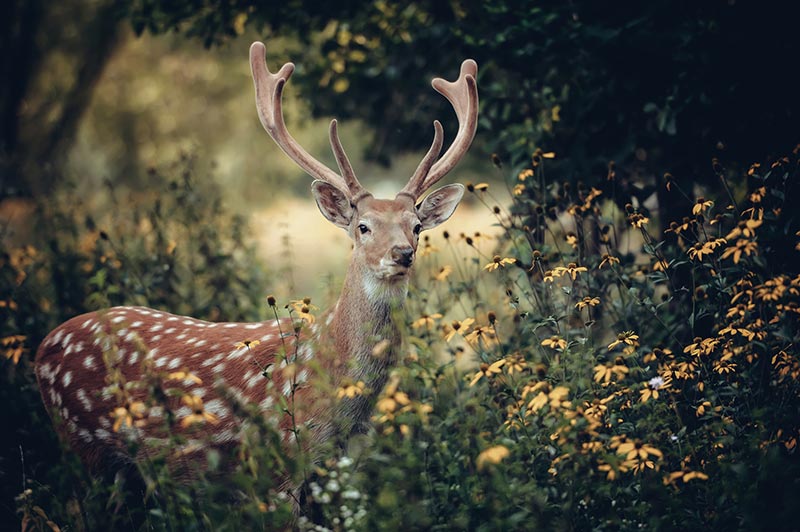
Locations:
385 232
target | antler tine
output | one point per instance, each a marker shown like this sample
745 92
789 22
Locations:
414 186
357 192
269 90
463 96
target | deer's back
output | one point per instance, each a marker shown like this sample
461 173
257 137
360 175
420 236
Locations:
96 363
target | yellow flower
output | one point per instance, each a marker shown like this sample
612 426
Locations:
685 475
587 302
745 228
350 390
198 415
748 247
609 260
426 321
637 449
492 455
611 472
487 371
444 272
479 334
515 363
638 220
184 374
498 262
528 172
626 337
247 343
701 205
653 386
605 373
572 240
303 307
459 327
125 415
13 346
519 188
555 342
557 398
389 404
573 270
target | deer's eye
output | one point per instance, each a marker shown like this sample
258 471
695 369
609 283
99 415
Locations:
363 229
417 229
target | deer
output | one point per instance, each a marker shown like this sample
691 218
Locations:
85 366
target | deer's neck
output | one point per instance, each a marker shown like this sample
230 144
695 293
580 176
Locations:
365 341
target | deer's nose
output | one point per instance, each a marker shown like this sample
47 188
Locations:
403 255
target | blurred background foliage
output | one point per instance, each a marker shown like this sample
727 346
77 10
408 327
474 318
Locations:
128 138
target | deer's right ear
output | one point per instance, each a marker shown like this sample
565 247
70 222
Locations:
333 203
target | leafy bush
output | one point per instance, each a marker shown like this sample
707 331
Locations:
126 252
590 372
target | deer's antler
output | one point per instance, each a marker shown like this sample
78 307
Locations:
269 90
463 96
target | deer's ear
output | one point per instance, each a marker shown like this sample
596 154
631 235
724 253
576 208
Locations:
333 203
439 205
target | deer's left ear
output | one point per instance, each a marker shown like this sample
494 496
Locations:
439 205
333 203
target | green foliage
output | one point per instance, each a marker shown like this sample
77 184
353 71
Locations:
647 85
173 247
579 370
627 379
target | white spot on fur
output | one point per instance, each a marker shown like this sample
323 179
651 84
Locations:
200 343
122 332
253 380
67 339
102 434
305 353
156 338
172 318
134 357
156 412
67 379
56 338
230 325
174 363
212 360
180 336
85 435
267 337
161 362
301 377
137 324
266 403
104 422
216 407
170 330
87 323
118 319
183 412
237 353
84 399
287 388
223 436
157 327
88 362
157 315
251 326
